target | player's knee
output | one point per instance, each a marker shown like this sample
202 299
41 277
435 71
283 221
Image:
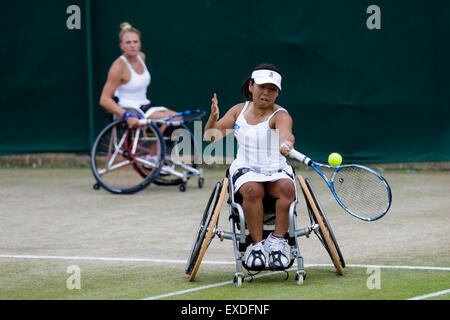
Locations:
287 190
252 191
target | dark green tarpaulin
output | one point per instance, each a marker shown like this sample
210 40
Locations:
372 95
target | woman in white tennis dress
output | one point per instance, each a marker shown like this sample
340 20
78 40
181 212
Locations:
127 82
260 168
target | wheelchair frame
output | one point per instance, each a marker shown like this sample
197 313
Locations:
241 239
129 150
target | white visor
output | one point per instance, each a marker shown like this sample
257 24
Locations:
267 76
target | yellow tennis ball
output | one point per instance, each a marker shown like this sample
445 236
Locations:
334 159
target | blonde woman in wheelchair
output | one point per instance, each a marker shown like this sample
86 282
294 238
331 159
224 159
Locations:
125 92
260 168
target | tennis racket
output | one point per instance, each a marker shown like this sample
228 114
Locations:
359 190
181 118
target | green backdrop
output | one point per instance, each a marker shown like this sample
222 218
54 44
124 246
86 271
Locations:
372 95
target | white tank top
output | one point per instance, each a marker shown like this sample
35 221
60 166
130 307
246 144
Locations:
258 145
134 93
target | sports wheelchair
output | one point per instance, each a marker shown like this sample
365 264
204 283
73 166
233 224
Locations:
126 160
241 239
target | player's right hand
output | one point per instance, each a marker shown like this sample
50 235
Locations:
214 108
133 122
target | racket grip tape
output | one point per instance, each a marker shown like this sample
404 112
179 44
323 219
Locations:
297 155
300 157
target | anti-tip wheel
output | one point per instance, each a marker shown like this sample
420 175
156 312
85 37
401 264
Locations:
300 277
201 181
238 280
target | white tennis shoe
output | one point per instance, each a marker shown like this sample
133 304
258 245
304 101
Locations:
277 248
256 258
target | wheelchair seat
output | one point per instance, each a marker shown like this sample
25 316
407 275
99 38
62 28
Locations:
237 214
268 205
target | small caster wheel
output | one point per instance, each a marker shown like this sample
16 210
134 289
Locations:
96 186
183 187
300 277
238 279
201 181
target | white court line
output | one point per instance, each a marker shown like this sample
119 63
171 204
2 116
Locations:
15 256
210 286
9 256
397 267
308 266
431 295
188 290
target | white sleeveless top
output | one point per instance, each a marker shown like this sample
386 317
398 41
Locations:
133 94
258 150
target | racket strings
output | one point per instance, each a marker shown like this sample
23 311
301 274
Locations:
361 191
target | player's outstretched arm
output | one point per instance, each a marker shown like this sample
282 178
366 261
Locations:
216 128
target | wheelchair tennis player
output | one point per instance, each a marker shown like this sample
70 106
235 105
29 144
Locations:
261 126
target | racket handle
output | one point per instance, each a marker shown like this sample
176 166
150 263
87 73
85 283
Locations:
300 157
297 155
144 122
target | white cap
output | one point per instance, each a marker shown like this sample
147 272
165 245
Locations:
267 76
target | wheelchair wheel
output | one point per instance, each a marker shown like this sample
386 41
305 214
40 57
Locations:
206 229
165 178
126 160
324 233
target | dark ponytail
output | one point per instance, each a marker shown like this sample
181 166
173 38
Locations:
246 94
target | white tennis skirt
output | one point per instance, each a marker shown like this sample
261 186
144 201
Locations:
147 113
253 176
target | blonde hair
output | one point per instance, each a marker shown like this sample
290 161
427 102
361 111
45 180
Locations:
126 27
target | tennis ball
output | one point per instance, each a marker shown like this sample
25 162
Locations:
334 159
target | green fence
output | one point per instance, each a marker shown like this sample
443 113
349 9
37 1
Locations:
374 95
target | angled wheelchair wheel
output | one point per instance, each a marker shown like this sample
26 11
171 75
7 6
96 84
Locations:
206 229
126 160
178 152
324 233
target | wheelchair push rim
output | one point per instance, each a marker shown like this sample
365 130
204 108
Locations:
327 225
206 229
120 154
325 233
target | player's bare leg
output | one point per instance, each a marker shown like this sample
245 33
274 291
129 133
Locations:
252 195
284 191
